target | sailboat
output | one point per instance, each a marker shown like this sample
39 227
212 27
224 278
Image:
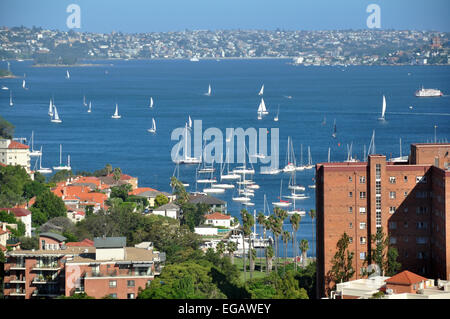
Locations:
262 108
261 92
153 128
310 164
296 210
281 203
243 195
55 118
116 113
43 170
209 91
90 107
61 167
67 75
401 158
84 100
33 152
334 129
190 121
177 170
293 185
50 108
301 167
290 159
24 85
383 109
188 159
229 175
10 99
278 112
151 102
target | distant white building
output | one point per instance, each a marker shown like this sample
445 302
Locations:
206 231
15 153
22 214
218 219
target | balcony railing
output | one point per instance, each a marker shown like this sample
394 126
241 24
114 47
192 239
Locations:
50 266
16 292
14 280
17 267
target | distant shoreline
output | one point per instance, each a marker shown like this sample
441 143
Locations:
8 77
64 65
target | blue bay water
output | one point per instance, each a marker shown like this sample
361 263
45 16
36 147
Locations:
351 95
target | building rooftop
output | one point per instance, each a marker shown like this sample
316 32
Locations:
405 278
205 199
16 145
18 212
53 236
110 242
217 215
168 206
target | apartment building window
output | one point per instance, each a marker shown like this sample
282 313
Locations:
130 296
377 187
421 194
130 283
350 240
362 195
362 256
421 225
421 240
405 224
350 225
392 225
405 179
406 239
392 179
405 193
420 255
392 209
362 210
350 209
392 195
421 210
113 295
421 179
350 194
392 240
405 210
362 240
112 284
350 179
362 225
362 179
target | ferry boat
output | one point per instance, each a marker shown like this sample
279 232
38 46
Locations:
428 92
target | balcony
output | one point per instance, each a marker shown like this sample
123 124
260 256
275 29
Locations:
49 267
45 293
16 293
17 267
41 280
15 280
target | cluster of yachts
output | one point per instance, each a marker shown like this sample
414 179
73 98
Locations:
38 164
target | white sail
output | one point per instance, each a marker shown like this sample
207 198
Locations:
116 113
209 90
55 118
151 102
190 121
153 129
23 83
10 99
50 108
262 107
67 74
383 110
276 117
90 107
261 92
84 100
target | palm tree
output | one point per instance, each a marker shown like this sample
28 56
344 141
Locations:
261 219
231 248
220 248
276 226
245 230
304 246
248 223
295 223
252 256
312 214
269 256
286 236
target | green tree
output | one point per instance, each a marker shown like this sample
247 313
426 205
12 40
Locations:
179 191
312 214
6 129
160 200
117 173
50 205
220 248
261 219
295 224
286 236
12 181
304 246
393 266
342 263
33 188
269 256
231 248
61 176
121 191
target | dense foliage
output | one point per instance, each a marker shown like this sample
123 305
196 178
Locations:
6 129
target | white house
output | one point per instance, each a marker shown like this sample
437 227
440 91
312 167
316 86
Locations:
14 153
206 231
169 210
22 214
218 219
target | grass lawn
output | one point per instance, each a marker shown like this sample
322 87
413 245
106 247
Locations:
239 262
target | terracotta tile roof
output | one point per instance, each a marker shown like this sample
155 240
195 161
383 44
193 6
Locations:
123 177
3 231
217 215
4 165
405 278
140 190
18 212
16 145
84 243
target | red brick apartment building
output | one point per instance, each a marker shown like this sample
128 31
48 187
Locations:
409 199
105 267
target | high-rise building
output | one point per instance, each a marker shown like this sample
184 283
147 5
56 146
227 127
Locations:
409 199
